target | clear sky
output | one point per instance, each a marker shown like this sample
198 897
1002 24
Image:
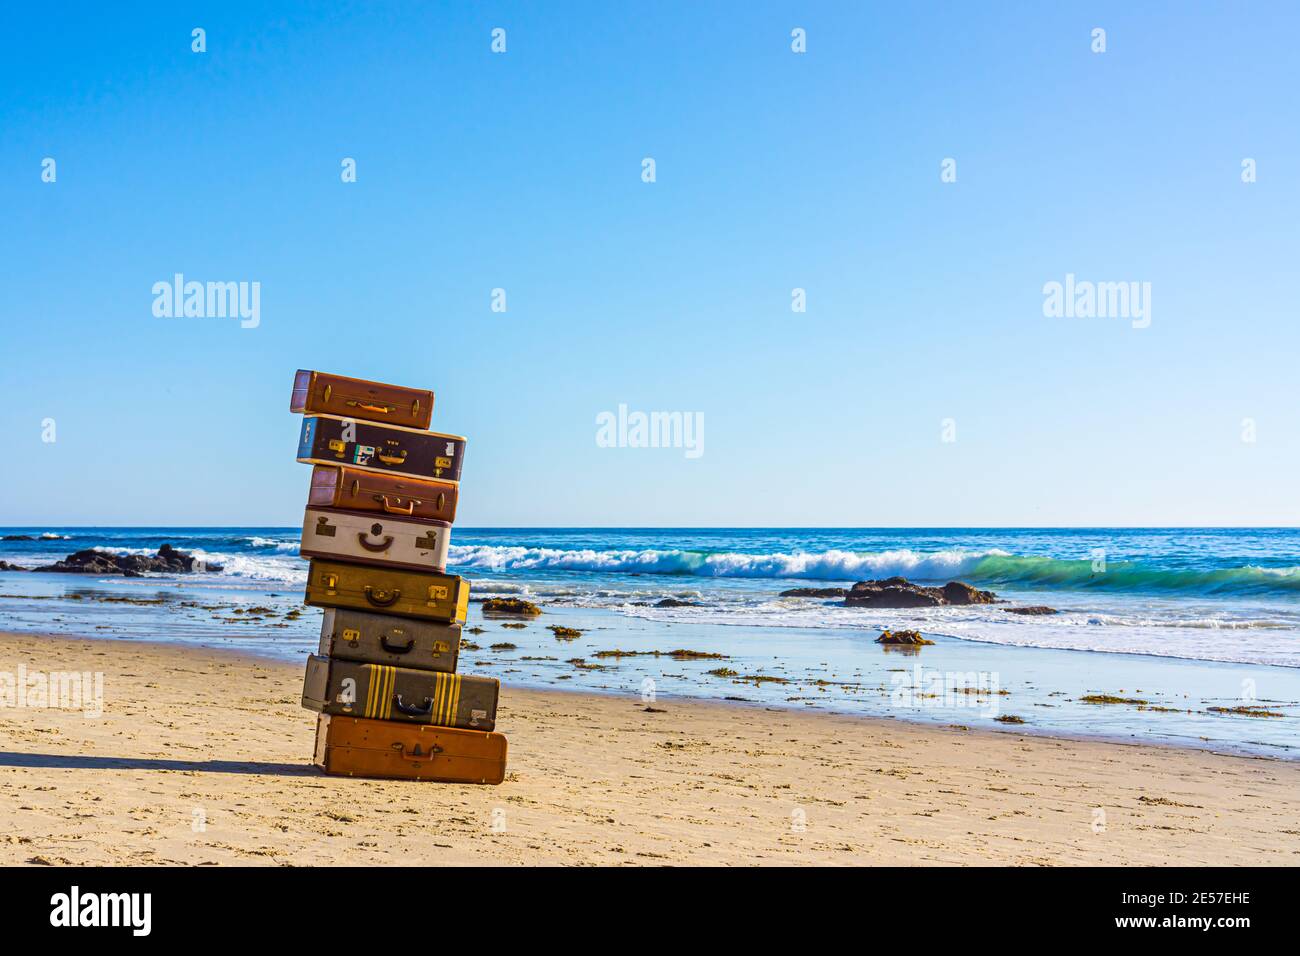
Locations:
774 170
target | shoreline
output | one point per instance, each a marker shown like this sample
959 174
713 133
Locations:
190 733
253 656
1184 702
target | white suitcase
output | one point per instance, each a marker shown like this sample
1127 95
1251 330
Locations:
365 537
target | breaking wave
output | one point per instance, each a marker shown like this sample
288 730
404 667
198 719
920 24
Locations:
992 567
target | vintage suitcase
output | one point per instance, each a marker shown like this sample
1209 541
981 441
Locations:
363 587
320 392
372 539
359 490
385 639
381 692
327 440
381 748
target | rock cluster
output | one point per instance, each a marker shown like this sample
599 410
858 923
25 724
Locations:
93 561
900 592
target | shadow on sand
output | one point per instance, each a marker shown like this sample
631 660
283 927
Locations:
86 762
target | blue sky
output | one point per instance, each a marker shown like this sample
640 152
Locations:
775 170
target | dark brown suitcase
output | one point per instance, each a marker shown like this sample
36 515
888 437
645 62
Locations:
383 692
352 747
385 639
326 440
359 490
322 393
361 587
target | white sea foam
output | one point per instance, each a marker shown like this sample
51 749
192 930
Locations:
826 565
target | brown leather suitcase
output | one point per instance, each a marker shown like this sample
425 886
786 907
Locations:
383 692
360 490
322 393
386 639
361 587
363 538
354 747
327 440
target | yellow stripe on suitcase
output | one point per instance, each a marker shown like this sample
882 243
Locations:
380 696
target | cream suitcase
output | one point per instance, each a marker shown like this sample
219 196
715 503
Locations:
364 537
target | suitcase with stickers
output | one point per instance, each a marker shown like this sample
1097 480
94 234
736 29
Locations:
328 440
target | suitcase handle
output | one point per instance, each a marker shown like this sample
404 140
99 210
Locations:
423 711
396 510
380 597
376 548
367 407
417 752
393 648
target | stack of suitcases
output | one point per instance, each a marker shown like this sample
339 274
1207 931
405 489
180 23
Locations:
383 496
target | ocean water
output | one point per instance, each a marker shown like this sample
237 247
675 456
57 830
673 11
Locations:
1194 618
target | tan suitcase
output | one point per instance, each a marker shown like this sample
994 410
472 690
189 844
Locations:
379 748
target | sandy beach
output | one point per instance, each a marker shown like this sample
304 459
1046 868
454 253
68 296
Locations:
200 757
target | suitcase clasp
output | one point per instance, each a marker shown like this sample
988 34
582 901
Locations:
437 593
324 528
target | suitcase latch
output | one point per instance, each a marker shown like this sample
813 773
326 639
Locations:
323 527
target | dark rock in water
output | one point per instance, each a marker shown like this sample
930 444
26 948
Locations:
912 638
512 606
1035 609
900 592
6 566
673 602
93 561
959 592
815 592
17 537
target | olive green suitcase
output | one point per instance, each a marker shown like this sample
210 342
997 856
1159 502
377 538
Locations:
382 692
360 587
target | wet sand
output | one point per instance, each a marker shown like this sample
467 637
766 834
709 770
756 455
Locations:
203 757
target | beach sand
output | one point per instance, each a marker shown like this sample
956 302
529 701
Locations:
202 757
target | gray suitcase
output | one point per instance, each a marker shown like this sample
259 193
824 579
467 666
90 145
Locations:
385 639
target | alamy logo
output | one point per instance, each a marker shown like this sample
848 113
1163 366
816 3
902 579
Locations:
651 430
59 690
103 909
1098 300
208 300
